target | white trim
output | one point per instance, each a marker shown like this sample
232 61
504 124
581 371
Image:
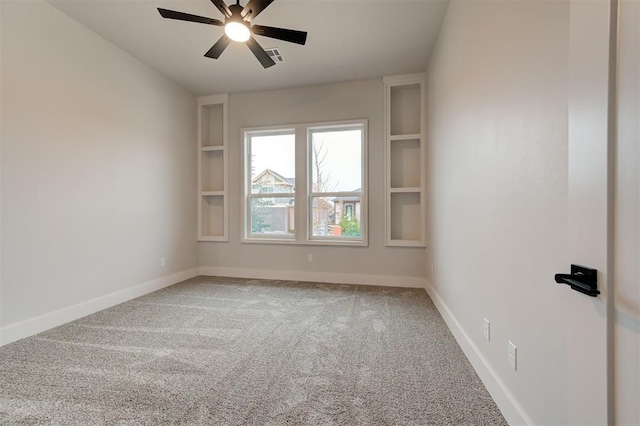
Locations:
504 399
404 79
312 276
212 99
44 322
335 242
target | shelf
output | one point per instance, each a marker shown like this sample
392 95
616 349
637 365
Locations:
394 138
406 190
212 168
404 160
212 148
405 243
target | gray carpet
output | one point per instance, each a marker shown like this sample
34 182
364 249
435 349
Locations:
228 351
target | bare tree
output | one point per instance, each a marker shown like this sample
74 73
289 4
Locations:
322 182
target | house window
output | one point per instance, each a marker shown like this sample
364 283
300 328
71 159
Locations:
336 181
271 195
329 198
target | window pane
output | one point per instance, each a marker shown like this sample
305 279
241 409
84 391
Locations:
336 216
273 216
272 163
336 159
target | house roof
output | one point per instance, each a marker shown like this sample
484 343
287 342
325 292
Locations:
278 176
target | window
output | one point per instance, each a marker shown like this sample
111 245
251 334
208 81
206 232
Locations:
310 174
271 199
336 181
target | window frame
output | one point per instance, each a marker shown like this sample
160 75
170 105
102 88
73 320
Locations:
303 199
329 127
247 193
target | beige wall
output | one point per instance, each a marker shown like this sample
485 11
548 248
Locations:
343 101
98 166
627 245
497 166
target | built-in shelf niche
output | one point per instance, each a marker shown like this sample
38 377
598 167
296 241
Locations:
213 169
404 160
405 163
405 216
405 111
211 126
212 216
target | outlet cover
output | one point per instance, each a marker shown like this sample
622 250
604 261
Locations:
486 329
512 355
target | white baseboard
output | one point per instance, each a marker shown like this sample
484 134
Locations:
44 322
506 402
323 277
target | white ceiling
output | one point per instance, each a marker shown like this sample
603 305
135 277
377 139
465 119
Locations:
347 40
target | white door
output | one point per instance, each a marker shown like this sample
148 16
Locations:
627 232
591 82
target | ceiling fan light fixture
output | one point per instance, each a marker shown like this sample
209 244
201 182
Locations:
238 27
237 31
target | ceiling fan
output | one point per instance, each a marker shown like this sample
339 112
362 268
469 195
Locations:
237 27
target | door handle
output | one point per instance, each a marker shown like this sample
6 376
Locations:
582 279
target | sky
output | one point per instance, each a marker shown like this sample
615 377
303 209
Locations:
343 159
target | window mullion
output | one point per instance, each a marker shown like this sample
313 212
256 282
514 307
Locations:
302 203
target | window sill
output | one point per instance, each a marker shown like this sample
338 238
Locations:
332 243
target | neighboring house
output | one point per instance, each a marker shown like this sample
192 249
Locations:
273 215
272 182
348 207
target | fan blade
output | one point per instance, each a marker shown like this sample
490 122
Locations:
222 7
217 49
260 53
181 16
292 36
253 8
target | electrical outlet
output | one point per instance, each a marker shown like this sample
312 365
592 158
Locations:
486 328
512 355
310 258
163 262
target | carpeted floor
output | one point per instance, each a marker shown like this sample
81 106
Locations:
228 351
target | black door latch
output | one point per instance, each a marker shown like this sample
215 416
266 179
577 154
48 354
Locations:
582 279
